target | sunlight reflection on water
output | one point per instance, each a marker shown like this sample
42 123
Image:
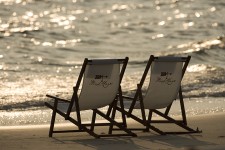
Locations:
43 44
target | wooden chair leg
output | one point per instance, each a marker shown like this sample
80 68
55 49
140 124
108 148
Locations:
182 107
149 120
123 114
53 118
113 117
93 120
168 109
52 123
112 121
110 109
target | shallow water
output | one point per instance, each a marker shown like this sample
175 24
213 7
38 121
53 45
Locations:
43 44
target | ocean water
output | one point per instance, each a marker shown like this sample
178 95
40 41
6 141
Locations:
43 45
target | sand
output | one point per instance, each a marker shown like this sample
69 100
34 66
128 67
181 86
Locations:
36 138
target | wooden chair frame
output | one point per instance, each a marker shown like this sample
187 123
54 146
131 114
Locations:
148 122
88 127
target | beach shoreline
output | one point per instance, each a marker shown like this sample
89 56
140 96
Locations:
36 137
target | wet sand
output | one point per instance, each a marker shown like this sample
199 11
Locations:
36 137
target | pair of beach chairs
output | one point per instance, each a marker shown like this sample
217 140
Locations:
101 87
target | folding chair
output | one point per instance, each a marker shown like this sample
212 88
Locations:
101 84
164 86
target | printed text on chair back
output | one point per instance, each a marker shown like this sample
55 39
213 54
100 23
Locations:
165 80
100 84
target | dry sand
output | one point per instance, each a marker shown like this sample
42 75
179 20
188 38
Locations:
36 138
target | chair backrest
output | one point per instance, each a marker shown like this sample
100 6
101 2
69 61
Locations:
165 80
101 83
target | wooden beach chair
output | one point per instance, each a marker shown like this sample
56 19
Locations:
164 87
101 85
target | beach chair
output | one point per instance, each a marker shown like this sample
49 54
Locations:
164 87
101 80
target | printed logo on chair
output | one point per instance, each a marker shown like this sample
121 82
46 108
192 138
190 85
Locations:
100 80
166 78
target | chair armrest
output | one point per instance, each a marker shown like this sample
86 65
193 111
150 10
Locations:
56 98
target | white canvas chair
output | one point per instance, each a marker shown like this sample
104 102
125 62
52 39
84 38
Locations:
166 74
101 84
